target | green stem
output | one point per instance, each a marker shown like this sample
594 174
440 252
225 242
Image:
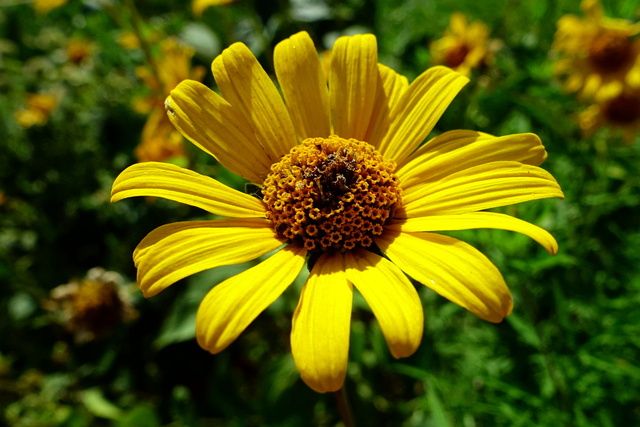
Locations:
344 408
136 24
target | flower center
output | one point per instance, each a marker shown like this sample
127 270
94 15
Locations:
623 109
610 52
331 193
456 55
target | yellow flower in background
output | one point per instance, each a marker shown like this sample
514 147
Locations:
37 111
597 55
620 113
464 46
199 6
345 178
79 50
160 140
45 6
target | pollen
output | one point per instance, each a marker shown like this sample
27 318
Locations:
331 193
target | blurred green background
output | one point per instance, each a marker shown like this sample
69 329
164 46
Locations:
569 355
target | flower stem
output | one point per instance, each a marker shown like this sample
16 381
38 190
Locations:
344 408
136 25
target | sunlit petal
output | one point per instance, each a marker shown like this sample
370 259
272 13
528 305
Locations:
184 186
232 305
245 85
321 323
304 85
480 187
456 150
174 251
418 110
392 298
451 268
474 220
391 87
352 85
212 124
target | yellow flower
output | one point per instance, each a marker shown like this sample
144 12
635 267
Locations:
79 50
160 140
39 108
464 46
344 179
199 6
597 55
45 6
620 113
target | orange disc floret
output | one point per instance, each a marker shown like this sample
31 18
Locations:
331 193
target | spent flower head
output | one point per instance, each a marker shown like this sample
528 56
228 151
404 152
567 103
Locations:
347 185
92 307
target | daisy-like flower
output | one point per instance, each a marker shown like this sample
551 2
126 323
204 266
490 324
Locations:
597 55
160 140
347 185
621 114
464 46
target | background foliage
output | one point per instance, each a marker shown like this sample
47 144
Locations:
567 356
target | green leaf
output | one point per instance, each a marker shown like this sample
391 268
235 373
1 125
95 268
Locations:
98 405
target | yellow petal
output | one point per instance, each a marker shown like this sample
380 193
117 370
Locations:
321 323
303 85
216 127
392 298
480 187
245 85
451 268
474 220
199 6
185 186
174 251
461 149
232 305
418 110
353 82
391 87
